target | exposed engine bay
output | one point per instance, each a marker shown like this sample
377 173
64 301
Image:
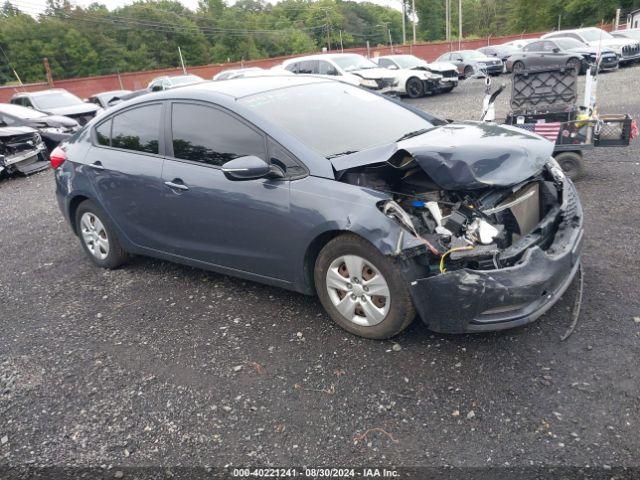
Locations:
475 228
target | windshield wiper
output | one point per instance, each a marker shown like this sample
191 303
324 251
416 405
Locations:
348 152
415 133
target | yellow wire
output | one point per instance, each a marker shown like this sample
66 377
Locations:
444 255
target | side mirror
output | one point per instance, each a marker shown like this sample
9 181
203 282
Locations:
250 168
556 50
392 67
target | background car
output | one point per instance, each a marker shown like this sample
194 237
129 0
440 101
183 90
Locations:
628 49
57 101
472 62
106 99
167 82
503 52
519 43
234 72
561 52
52 128
447 71
21 151
347 67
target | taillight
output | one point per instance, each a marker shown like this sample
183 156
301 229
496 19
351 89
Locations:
57 157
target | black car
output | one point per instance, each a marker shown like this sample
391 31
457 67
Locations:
321 187
57 101
558 52
472 62
52 128
21 151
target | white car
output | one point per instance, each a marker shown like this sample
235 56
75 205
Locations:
248 72
445 73
627 49
347 67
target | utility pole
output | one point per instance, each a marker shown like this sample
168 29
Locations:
415 19
617 19
368 50
184 70
447 31
404 22
559 21
459 24
328 25
47 69
390 40
341 46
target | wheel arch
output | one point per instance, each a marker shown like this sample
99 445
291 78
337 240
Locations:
311 255
74 203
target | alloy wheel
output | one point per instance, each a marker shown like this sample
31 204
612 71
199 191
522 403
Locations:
94 235
358 290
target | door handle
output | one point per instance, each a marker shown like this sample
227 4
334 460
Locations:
176 186
97 165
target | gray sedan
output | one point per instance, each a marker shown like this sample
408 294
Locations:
324 188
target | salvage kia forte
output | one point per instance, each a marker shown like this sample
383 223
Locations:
324 188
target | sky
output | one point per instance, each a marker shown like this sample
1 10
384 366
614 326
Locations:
37 6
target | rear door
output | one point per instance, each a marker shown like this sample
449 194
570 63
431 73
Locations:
125 167
235 224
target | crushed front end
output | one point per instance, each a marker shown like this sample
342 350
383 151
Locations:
500 230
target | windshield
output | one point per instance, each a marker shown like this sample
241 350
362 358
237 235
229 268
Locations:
334 118
46 101
567 43
594 34
409 61
185 79
350 63
20 112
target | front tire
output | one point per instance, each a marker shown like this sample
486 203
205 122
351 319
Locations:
576 64
517 67
98 237
468 71
362 290
414 87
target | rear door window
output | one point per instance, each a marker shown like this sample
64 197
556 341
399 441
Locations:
138 129
103 133
211 136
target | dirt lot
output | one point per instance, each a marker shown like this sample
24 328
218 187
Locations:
159 364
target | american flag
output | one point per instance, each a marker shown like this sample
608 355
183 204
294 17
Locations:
548 130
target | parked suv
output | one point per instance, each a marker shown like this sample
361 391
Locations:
628 49
321 187
57 101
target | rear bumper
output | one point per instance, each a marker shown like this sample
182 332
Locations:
468 300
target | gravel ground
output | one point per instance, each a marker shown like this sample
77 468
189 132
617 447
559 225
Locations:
160 364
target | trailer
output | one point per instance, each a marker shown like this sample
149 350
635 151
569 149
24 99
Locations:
545 102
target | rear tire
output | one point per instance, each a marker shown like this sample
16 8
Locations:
98 237
518 67
576 64
468 71
370 316
571 163
414 87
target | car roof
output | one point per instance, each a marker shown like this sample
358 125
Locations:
236 87
319 56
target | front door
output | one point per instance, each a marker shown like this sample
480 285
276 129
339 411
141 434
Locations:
235 224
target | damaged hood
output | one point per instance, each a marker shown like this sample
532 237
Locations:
468 155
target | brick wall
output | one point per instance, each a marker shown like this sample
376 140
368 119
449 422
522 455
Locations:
84 87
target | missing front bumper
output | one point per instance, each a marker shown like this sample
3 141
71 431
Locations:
467 300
